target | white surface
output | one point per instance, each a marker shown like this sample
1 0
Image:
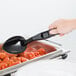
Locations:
49 68
29 17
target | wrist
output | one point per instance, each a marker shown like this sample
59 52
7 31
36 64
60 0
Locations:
73 24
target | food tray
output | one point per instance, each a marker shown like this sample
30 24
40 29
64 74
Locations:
57 51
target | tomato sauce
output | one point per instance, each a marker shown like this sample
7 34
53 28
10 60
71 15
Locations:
38 45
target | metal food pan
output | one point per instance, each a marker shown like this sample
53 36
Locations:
51 54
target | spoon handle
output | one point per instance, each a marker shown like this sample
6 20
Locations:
42 36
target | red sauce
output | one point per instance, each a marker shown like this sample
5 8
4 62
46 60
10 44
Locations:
38 45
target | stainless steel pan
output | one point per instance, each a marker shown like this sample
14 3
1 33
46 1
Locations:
58 52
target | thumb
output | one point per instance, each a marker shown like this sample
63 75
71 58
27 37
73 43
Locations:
54 31
52 26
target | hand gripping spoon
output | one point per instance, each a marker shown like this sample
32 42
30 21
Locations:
18 44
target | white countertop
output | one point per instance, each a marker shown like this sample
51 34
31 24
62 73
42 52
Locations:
49 68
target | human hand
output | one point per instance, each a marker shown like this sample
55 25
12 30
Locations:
63 26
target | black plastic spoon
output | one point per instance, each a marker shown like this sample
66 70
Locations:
18 44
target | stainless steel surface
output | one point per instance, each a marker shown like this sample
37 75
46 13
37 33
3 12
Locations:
10 74
54 42
51 55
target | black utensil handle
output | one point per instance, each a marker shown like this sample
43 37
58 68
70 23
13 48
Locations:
44 35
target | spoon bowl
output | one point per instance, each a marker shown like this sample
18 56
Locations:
15 45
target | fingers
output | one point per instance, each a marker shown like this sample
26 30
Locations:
57 27
54 31
52 26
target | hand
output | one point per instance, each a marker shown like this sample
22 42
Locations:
63 26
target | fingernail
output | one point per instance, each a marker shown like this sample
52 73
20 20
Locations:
61 34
